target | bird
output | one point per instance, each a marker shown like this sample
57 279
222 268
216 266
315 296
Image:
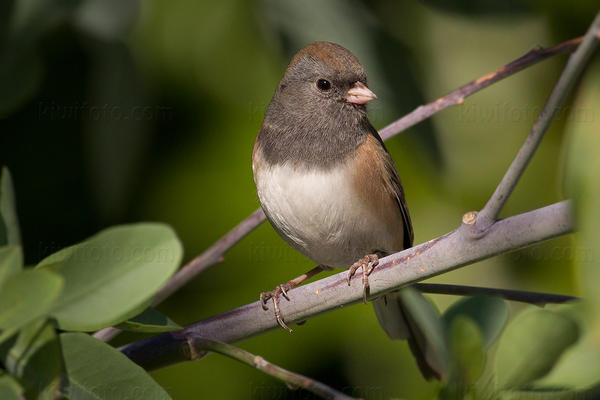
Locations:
327 183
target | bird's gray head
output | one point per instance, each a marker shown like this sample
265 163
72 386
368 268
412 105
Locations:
318 110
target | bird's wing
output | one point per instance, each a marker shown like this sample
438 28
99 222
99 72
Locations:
395 186
393 314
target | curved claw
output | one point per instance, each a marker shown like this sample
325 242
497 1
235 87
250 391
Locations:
367 265
351 272
264 297
365 280
284 292
278 315
274 295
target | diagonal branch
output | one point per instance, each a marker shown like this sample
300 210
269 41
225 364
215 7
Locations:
577 62
211 256
450 251
215 253
514 295
458 96
198 345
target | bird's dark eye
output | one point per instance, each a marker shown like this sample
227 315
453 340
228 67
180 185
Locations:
323 84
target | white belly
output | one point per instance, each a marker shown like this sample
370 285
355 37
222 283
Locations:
317 213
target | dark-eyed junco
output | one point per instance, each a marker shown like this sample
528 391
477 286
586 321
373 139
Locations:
324 178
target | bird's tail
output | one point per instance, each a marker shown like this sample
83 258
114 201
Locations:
399 321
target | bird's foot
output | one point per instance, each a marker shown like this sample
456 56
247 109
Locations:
280 290
366 264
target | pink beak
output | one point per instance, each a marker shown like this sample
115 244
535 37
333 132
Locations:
359 94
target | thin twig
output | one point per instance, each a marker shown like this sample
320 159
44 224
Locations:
212 255
450 251
458 96
514 295
215 253
575 65
198 345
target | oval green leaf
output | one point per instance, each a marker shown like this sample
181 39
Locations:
467 349
96 371
489 313
110 276
427 329
25 297
57 257
579 367
582 174
554 393
150 320
531 345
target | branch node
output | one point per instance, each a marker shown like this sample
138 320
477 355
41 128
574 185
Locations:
470 218
259 362
192 349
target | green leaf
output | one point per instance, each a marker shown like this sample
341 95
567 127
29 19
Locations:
427 321
9 223
96 370
35 358
489 313
25 297
552 394
150 320
11 262
465 343
531 345
579 367
582 174
9 387
112 275
58 257
467 348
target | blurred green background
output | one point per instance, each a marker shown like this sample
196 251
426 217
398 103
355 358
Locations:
117 111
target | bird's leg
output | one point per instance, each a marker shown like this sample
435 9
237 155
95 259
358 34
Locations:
281 290
366 264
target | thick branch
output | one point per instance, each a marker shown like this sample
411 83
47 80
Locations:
577 62
508 294
455 249
198 345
